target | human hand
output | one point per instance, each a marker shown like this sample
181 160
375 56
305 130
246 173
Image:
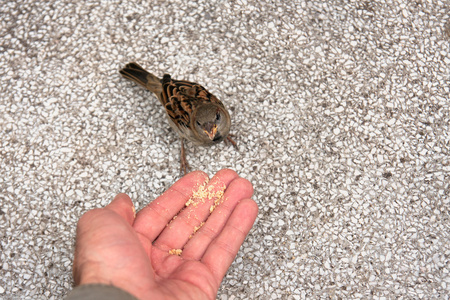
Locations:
142 253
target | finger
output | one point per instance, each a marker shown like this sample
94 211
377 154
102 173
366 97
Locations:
222 251
238 190
153 218
123 206
197 210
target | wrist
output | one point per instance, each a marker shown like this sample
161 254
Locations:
99 291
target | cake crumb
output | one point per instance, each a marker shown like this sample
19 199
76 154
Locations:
175 252
196 228
203 193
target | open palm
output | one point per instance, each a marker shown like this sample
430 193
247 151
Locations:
179 246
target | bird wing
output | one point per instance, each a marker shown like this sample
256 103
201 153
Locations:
181 97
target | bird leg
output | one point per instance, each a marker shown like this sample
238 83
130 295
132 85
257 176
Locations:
184 166
229 139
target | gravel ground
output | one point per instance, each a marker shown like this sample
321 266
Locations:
340 110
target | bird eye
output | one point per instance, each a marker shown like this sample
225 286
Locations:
198 123
218 116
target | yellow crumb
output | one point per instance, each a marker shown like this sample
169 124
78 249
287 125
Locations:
196 228
175 252
196 193
216 203
203 193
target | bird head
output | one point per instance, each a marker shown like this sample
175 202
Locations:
212 121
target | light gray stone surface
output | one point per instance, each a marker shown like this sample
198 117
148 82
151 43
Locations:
340 108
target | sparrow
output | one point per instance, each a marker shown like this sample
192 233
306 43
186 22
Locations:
193 112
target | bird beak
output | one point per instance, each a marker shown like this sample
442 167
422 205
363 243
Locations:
210 130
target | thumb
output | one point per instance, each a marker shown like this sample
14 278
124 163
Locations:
122 205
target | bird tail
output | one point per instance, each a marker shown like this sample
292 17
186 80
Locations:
136 73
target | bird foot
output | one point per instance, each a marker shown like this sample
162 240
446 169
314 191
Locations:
229 139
